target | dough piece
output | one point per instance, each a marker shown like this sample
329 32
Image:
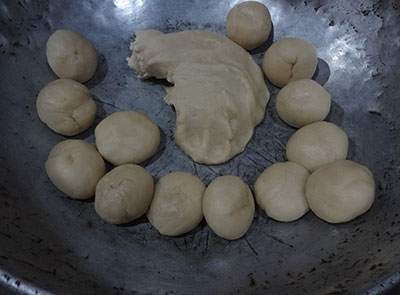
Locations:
302 102
74 167
127 137
340 191
228 207
219 92
71 56
289 59
66 107
177 203
280 191
248 24
317 144
124 194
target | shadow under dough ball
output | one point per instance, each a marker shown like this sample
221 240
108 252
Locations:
289 59
71 56
66 107
248 24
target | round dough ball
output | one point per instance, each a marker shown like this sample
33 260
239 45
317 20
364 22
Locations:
289 59
316 144
340 191
124 194
71 56
228 207
280 191
127 137
302 102
248 24
177 203
66 107
74 167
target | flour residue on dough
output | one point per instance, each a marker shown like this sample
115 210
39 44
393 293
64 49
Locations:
219 93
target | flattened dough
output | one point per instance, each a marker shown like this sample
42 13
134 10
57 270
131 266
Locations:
219 92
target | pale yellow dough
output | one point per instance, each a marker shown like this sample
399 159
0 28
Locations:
177 203
289 59
280 191
228 207
219 92
124 194
74 167
66 107
340 191
302 102
127 137
248 24
316 144
71 56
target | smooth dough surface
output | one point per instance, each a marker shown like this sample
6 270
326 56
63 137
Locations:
219 93
71 56
248 24
289 59
127 137
228 207
316 144
124 194
280 191
66 107
302 102
176 207
340 191
74 167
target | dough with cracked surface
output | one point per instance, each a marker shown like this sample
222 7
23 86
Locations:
316 144
177 207
289 59
66 107
74 167
228 207
71 55
124 194
340 191
280 191
219 92
248 24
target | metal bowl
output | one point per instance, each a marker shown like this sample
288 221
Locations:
52 244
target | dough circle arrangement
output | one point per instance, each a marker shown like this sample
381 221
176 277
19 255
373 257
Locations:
74 167
71 56
66 107
219 91
340 191
177 203
248 24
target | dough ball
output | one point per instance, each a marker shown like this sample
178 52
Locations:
74 167
316 144
289 59
124 194
248 24
302 102
280 191
71 56
177 203
127 137
340 191
228 207
66 107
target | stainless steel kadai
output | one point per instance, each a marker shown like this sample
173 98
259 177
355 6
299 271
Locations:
52 244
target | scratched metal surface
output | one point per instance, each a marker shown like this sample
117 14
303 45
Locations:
51 244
